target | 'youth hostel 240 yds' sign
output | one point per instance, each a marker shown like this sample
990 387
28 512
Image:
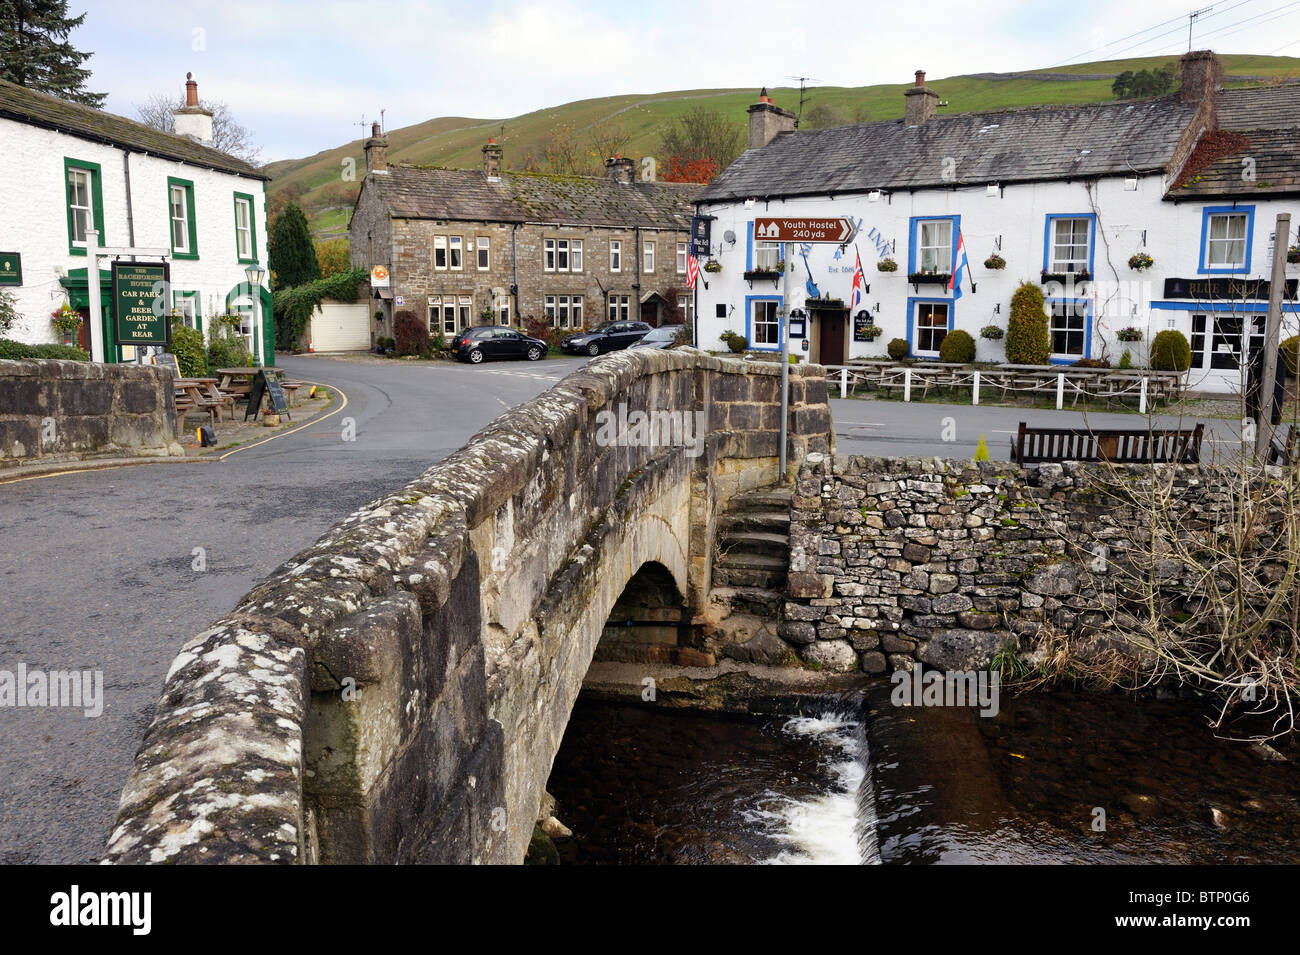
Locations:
140 303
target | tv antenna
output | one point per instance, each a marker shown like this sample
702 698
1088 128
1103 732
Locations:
803 98
381 120
362 124
1191 19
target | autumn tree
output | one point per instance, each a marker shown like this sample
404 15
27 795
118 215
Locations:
334 256
697 138
35 52
228 134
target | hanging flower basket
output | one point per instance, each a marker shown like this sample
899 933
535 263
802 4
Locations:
1129 334
872 332
66 322
887 265
995 263
1141 262
713 265
1293 254
992 332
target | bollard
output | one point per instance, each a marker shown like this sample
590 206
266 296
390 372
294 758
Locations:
1060 391
907 384
975 390
1142 397
844 382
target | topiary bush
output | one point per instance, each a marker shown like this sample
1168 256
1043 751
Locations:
1027 339
735 341
17 351
898 348
1170 351
188 347
957 346
412 334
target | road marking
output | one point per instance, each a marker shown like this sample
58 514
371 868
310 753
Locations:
285 434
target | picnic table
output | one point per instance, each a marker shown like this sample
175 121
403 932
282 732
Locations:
200 394
239 381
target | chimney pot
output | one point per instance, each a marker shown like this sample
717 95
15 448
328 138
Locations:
921 102
376 150
920 77
620 169
192 120
191 91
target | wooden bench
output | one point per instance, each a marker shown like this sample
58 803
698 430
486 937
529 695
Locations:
1120 446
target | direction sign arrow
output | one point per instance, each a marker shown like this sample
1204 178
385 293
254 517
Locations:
836 231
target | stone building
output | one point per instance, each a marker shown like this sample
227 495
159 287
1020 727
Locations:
465 246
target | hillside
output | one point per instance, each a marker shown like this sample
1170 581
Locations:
455 141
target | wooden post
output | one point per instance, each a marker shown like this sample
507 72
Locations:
1272 329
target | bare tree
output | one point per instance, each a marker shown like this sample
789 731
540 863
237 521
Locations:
228 134
608 139
701 134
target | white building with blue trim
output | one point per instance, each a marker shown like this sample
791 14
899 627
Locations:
1064 196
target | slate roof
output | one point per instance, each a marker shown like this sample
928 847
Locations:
412 192
1211 172
39 109
1264 107
1021 145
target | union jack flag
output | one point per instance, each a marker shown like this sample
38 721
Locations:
859 282
692 270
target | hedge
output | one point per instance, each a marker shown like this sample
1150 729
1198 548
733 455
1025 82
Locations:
17 351
957 346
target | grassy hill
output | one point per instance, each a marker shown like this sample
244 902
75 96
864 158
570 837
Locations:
455 141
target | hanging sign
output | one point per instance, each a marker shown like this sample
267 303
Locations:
140 293
11 268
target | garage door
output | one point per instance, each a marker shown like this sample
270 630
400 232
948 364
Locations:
339 327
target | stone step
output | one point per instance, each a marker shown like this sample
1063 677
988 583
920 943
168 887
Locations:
776 522
756 601
760 543
757 578
764 499
752 561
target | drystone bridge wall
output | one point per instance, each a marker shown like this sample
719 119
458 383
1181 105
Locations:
397 692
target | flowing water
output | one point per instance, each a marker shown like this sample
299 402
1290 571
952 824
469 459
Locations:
861 781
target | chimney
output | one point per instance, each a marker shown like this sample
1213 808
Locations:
376 150
1200 74
620 169
767 121
492 161
922 102
192 120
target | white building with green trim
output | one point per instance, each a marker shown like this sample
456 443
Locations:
67 168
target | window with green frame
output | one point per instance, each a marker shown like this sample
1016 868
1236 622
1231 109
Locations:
245 229
83 188
187 304
180 218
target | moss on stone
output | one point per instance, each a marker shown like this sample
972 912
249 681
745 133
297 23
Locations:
541 849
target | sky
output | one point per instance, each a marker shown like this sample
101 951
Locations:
302 73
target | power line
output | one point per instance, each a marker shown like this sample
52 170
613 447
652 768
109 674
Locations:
1094 50
1247 23
1178 29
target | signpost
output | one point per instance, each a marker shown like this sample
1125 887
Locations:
11 268
837 231
140 293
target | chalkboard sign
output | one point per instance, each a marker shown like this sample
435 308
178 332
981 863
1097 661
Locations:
268 385
168 360
861 323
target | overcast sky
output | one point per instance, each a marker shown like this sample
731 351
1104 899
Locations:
300 73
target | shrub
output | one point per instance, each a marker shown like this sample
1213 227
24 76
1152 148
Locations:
1091 363
898 348
1027 339
734 341
1289 351
684 335
1170 351
8 310
294 305
541 328
187 346
17 351
1126 360
412 334
957 346
982 450
228 353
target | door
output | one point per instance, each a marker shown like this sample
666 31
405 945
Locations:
1218 340
83 333
832 325
341 327
512 344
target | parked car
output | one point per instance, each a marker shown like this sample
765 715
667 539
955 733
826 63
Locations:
611 336
665 336
489 342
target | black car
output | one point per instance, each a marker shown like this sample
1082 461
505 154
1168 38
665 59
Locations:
665 336
487 342
610 336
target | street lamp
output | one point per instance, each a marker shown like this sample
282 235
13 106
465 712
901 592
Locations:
255 274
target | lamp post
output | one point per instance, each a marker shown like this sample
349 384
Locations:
255 273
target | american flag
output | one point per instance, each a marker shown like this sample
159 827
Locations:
859 282
692 270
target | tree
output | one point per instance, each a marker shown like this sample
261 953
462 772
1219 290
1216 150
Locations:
1144 83
608 139
35 52
822 116
699 135
334 257
228 134
1027 340
292 257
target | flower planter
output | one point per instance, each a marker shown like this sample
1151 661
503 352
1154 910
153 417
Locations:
762 275
1065 277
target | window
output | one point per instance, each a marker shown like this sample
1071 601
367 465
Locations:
649 265
564 311
440 253
503 310
681 258
466 311
620 307
615 255
85 203
720 310
931 327
767 255
180 200
934 245
765 325
1069 244
1068 328
454 314
245 243
483 246
435 314
187 305
455 253
575 257
562 255
576 311
1226 240
686 307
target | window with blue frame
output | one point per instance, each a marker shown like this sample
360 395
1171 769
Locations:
763 323
928 323
1068 243
1069 328
932 243
1226 233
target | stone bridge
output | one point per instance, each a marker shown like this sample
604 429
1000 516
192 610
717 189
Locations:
397 693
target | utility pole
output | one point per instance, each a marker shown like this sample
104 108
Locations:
784 332
1272 331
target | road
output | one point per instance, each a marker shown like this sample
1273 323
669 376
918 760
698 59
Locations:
97 567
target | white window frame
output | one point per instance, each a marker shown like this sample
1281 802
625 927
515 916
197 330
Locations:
465 311
649 258
456 253
83 217
766 255
686 305
483 253
244 231
187 304
615 255
765 324
918 330
1227 240
435 314
449 315
575 311
562 262
681 258
503 310
620 308
575 255
440 245
180 246
1056 263
934 251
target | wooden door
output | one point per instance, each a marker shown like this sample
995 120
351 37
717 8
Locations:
831 351
83 333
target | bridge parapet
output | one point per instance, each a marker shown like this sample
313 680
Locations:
396 692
